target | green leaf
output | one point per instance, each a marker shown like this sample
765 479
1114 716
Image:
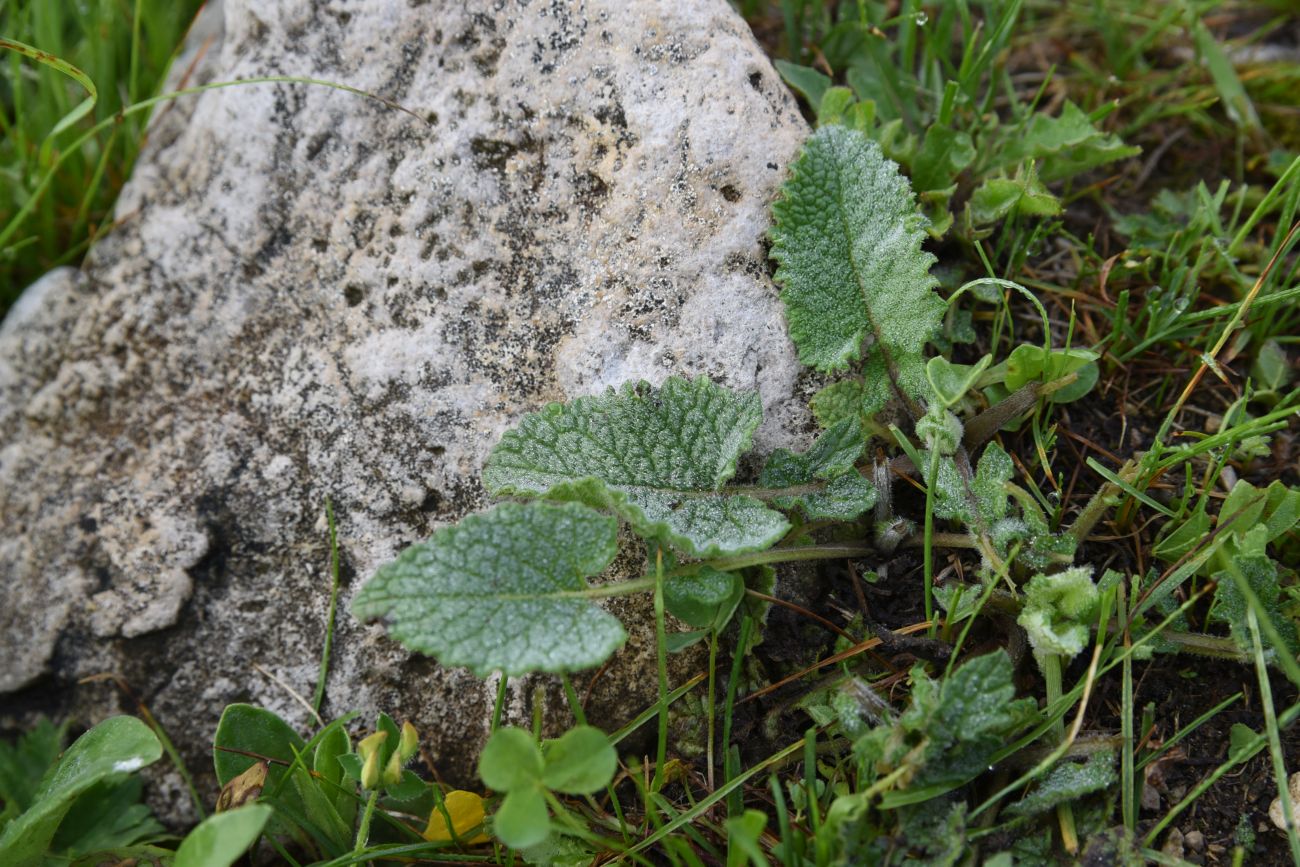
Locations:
950 381
244 728
219 840
847 238
743 833
656 457
832 457
522 819
1028 363
705 599
502 591
329 749
23 764
944 152
1236 102
835 104
409 788
1068 781
676 642
1067 145
1054 611
1271 369
998 198
119 745
804 80
510 760
838 401
580 762
108 815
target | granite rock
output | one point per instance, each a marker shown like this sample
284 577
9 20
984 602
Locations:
313 294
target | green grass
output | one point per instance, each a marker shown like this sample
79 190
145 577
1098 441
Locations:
1176 265
124 48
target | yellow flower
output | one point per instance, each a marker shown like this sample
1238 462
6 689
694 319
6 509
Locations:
368 749
466 812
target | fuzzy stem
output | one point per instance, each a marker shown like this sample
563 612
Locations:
363 832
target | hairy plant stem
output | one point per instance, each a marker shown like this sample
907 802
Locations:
1107 497
661 657
363 831
927 550
1051 666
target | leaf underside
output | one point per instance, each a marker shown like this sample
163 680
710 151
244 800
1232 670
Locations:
501 591
847 239
656 457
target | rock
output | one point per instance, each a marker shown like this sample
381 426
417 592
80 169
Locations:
314 295
1279 813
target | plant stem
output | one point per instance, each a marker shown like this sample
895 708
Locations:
661 654
363 832
1051 665
500 703
329 617
711 704
927 550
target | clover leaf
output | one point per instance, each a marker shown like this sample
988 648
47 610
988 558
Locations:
657 457
580 762
503 591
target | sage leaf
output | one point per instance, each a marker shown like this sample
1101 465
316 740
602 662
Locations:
847 240
705 599
824 481
656 457
502 591
1069 781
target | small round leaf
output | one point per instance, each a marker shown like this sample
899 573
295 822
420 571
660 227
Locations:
510 760
580 762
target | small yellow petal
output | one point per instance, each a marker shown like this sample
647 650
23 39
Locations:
370 745
466 812
409 743
370 772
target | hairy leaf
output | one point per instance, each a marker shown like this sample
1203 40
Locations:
1068 781
983 499
1259 572
656 457
847 238
501 591
838 401
823 480
1055 609
961 721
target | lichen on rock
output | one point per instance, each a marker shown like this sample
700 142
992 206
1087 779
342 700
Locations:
314 295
